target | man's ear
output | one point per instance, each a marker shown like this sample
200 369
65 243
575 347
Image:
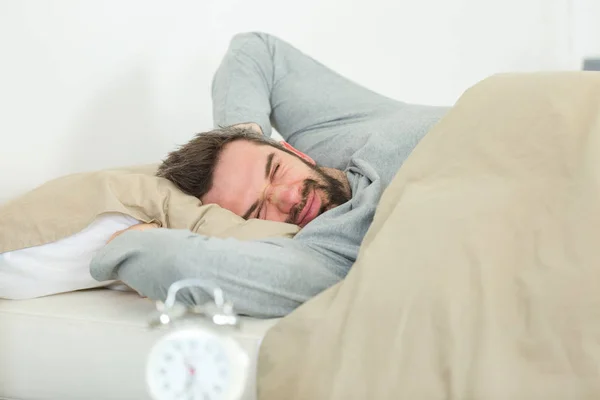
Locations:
297 152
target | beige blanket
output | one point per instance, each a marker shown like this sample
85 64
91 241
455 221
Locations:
480 276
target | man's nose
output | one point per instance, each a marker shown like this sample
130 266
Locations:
285 197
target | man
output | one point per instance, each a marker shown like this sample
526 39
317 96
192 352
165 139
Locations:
255 177
357 140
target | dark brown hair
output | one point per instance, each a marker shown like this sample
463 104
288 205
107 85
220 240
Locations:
191 166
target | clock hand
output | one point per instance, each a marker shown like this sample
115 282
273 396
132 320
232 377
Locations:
190 367
191 374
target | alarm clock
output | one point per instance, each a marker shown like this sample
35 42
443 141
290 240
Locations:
196 357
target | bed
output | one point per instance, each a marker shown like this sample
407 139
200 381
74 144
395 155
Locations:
477 279
89 344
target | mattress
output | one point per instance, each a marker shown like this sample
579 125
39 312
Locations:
91 344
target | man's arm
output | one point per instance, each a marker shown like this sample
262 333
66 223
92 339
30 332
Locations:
242 85
261 79
265 80
263 279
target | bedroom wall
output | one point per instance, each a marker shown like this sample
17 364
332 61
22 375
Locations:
89 85
586 28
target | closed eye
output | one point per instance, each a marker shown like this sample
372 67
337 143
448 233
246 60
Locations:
262 204
274 172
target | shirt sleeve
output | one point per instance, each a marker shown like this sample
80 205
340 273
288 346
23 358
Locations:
242 85
263 279
266 80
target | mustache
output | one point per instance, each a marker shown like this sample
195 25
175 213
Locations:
309 184
332 188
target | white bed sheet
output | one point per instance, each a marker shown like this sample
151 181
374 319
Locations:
61 266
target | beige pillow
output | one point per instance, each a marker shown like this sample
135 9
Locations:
65 206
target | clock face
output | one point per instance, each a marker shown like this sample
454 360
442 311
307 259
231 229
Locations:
196 364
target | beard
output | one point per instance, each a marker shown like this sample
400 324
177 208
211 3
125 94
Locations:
334 190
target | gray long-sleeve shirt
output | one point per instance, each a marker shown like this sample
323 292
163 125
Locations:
339 124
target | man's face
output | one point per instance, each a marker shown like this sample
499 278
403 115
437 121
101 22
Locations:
261 181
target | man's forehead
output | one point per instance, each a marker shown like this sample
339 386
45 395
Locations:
240 167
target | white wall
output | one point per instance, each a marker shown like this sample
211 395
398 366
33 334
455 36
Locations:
93 84
586 28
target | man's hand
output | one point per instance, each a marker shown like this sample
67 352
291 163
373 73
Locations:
253 126
138 227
